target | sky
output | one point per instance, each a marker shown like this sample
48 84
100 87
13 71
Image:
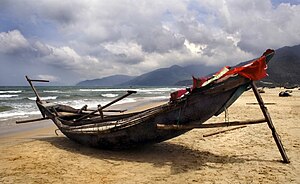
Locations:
73 40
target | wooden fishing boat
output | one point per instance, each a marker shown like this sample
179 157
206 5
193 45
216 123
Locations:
187 109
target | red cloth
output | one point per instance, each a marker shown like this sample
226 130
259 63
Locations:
177 94
254 71
202 81
197 82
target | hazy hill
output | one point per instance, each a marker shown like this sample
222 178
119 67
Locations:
160 77
284 68
169 76
113 80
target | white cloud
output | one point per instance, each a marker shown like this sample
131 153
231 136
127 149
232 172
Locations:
194 48
12 42
125 52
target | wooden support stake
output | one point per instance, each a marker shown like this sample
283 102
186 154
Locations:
270 124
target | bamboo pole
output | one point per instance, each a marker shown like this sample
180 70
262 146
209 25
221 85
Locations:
105 106
31 120
270 124
38 98
211 125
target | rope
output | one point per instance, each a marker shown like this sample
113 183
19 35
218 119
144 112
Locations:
56 131
178 118
226 115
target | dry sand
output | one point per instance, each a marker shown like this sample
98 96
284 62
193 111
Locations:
246 155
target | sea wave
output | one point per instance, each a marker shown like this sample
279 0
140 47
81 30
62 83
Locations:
127 100
94 103
109 95
103 90
44 98
52 91
5 108
8 96
16 91
159 89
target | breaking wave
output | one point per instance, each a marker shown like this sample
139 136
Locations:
16 91
109 95
8 96
44 98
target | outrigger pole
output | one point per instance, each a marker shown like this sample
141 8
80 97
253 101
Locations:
267 118
105 106
100 108
38 98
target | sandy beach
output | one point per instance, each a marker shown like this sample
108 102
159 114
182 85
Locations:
245 155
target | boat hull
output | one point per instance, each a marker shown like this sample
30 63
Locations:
196 108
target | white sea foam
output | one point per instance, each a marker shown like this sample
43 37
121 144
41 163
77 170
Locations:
103 90
160 98
109 95
44 98
127 100
8 96
159 89
17 91
52 91
94 103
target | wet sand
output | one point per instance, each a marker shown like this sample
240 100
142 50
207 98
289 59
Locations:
246 155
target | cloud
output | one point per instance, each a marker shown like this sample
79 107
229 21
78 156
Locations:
13 42
261 25
92 39
125 52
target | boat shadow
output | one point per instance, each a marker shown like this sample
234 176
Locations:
178 157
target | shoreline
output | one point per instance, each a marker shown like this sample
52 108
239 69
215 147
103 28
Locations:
10 127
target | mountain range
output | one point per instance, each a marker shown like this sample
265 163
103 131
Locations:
283 69
113 80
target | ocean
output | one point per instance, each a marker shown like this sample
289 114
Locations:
19 102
